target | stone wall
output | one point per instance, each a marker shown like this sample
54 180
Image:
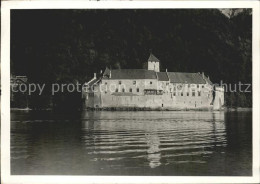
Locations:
219 98
165 101
105 96
109 86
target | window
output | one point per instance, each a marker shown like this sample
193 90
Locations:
181 93
137 90
198 86
188 94
116 90
123 90
188 85
202 86
105 83
198 93
193 93
119 82
151 82
134 82
130 90
174 94
167 83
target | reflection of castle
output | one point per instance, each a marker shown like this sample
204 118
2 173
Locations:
150 88
140 139
158 138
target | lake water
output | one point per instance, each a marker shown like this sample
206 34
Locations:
131 143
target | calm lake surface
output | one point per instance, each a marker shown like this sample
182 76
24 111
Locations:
131 143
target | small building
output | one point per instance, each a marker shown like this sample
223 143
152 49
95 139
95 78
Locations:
15 81
151 88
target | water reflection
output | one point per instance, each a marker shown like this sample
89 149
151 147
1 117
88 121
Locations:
131 143
154 152
162 139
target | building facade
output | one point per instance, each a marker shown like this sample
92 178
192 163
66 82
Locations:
152 89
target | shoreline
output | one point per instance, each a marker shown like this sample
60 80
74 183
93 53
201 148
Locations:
228 109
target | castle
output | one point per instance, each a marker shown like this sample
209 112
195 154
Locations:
152 89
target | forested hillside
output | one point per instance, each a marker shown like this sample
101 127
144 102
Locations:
69 45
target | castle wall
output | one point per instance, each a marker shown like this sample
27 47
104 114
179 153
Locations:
152 101
104 97
165 101
109 86
89 100
219 98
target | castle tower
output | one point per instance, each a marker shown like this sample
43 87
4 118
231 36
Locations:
153 63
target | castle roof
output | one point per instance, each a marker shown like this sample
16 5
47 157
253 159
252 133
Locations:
153 58
191 78
133 74
173 77
162 76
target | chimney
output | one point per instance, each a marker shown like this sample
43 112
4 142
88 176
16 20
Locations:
166 70
203 75
110 74
100 71
95 75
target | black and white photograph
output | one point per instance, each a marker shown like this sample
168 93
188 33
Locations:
143 91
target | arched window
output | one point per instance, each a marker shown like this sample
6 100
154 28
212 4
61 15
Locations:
130 90
137 90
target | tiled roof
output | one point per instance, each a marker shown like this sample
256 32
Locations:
133 74
162 76
192 78
153 58
174 77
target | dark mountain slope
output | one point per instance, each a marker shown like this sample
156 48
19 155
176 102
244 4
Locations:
69 45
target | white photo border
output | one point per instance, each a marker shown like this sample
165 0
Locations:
7 178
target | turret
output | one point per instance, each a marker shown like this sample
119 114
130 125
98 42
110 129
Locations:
153 63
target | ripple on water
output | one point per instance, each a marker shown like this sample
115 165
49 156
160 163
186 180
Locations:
122 142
